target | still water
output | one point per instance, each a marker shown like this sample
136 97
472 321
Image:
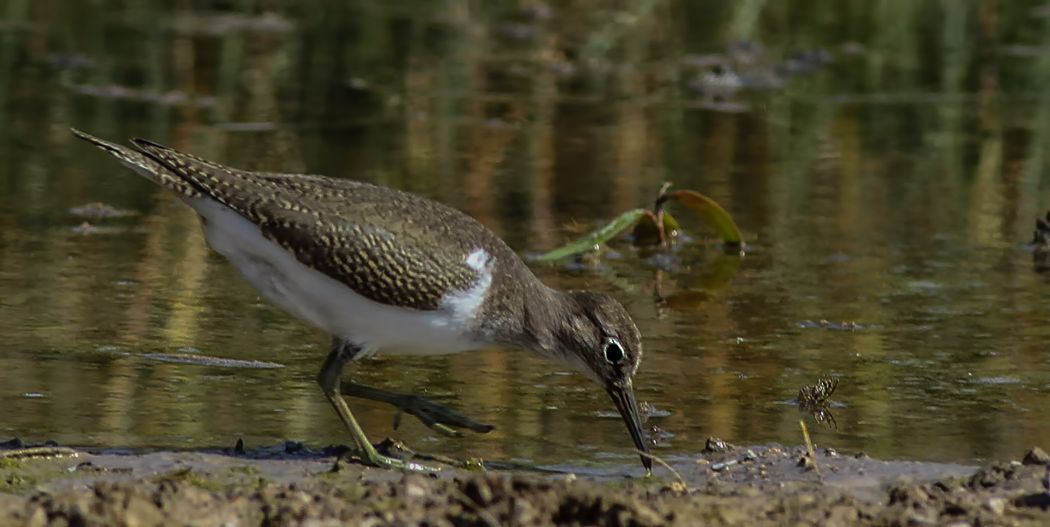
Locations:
886 163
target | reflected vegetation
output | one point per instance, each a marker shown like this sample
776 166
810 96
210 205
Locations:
654 228
884 160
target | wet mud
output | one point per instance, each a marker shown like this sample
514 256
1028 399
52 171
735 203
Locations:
291 484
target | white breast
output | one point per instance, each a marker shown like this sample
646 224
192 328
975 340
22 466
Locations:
328 304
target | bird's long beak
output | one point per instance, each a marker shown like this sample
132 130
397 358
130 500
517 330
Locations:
623 397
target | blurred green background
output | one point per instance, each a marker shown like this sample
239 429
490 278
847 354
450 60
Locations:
885 159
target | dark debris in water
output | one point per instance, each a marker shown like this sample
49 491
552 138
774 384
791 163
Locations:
658 436
816 400
1041 244
96 212
1041 234
86 228
12 443
846 325
284 450
238 448
68 61
205 360
218 24
99 211
168 98
649 411
746 67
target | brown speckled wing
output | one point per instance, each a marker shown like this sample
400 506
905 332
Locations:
389 246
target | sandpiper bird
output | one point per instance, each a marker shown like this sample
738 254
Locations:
388 272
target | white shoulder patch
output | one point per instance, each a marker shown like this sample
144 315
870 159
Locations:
478 260
462 305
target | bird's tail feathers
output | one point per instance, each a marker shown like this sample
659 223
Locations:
141 163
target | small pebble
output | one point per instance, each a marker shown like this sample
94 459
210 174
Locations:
996 505
1036 456
715 444
805 462
718 467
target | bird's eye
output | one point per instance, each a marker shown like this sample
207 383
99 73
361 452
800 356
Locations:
613 351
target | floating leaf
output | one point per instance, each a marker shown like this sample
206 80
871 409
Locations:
671 225
588 242
646 233
710 211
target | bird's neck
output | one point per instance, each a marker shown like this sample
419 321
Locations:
521 311
547 316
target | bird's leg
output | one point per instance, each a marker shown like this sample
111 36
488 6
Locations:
435 416
342 353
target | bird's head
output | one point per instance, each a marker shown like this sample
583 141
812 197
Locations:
597 335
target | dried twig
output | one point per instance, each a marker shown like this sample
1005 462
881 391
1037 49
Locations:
666 465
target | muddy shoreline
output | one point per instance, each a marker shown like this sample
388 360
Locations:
723 485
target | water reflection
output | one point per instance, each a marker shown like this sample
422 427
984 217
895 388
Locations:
888 192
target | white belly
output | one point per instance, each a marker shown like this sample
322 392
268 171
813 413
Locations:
328 304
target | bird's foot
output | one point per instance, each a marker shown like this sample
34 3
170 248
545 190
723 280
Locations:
371 456
437 417
394 448
394 463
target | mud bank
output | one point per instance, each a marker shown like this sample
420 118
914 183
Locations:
724 485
